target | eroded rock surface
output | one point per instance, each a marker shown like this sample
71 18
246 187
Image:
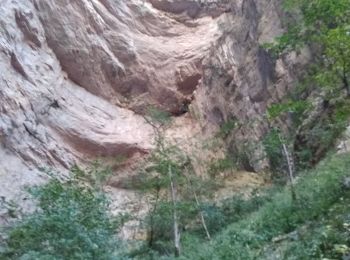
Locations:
77 76
240 79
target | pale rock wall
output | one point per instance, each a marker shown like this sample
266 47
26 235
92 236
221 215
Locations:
240 79
76 77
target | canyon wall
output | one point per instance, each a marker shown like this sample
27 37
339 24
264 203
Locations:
77 77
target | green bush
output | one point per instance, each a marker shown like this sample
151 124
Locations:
226 128
72 221
220 166
323 27
328 238
273 148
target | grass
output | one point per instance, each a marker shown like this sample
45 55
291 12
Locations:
317 191
327 238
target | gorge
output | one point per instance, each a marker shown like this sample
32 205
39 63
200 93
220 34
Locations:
79 77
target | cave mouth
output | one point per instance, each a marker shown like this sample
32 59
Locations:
189 84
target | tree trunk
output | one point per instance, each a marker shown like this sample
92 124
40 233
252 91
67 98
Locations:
151 232
346 85
202 217
199 208
290 170
175 220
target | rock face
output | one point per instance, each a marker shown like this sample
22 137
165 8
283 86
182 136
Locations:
240 79
76 76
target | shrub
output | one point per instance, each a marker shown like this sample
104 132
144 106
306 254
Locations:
72 221
247 238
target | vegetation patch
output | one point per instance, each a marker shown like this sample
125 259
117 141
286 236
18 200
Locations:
317 192
72 221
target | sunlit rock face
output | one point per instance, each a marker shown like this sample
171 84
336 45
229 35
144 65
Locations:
128 52
77 76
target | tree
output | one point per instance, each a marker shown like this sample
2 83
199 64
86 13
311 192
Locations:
324 27
72 221
169 169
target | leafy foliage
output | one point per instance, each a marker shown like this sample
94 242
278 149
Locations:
328 238
155 181
227 128
294 107
252 234
72 222
221 165
273 148
325 27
